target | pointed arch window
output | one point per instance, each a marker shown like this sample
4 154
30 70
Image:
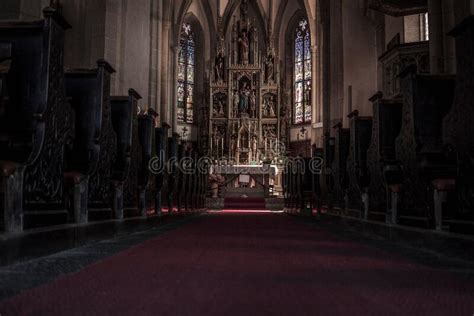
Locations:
302 112
186 63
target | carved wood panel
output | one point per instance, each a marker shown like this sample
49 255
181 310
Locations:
385 129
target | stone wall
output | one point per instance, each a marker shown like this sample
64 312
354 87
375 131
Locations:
360 59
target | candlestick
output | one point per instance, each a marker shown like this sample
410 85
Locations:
222 148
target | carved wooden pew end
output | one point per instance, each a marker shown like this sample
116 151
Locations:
89 162
381 155
441 189
77 185
127 155
161 139
35 122
146 131
360 138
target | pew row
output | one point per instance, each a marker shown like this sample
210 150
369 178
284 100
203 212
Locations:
36 123
419 147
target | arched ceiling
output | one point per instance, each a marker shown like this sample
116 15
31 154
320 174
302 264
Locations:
222 8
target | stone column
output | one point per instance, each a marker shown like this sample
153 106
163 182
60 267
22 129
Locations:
315 105
174 85
337 63
155 55
435 10
449 42
165 74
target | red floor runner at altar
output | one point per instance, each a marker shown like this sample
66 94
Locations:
244 203
250 264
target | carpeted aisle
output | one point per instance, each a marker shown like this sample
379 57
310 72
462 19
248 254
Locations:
250 264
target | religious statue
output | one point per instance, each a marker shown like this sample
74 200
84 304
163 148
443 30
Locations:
269 107
253 105
236 104
220 108
254 148
269 69
219 68
233 146
244 100
244 48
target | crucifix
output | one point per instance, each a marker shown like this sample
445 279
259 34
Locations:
185 132
303 132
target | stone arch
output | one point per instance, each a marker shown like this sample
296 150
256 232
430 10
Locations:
233 5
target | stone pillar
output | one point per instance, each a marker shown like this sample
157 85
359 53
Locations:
435 10
449 42
164 52
337 63
155 55
315 105
174 85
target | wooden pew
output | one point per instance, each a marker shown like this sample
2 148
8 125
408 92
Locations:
161 139
291 178
458 135
419 147
286 183
35 123
386 126
180 194
338 191
305 187
127 155
204 172
361 133
317 173
171 172
90 159
193 185
146 133
190 183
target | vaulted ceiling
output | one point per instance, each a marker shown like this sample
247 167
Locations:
399 7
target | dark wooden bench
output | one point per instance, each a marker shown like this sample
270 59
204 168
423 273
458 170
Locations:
340 181
386 126
161 140
458 135
171 172
146 179
291 179
89 161
361 133
419 147
317 170
35 122
180 176
127 154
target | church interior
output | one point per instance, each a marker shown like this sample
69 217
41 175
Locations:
236 157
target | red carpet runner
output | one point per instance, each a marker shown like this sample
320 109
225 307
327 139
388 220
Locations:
244 203
252 264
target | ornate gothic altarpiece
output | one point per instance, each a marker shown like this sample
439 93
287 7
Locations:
244 115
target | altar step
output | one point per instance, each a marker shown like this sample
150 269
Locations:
244 203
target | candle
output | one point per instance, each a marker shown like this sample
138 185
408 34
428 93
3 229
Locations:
222 151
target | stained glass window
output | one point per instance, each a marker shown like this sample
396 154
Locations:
185 91
303 71
424 27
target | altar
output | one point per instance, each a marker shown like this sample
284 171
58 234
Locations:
250 180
